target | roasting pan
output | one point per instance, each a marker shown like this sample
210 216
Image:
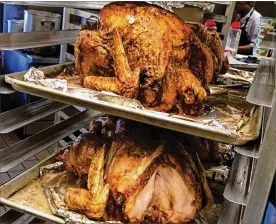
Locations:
249 131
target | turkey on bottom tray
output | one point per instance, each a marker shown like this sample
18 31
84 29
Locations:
131 172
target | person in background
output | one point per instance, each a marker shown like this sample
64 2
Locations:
249 19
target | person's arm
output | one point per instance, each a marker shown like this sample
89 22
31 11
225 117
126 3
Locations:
245 49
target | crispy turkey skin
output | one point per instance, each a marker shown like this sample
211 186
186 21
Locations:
143 175
144 52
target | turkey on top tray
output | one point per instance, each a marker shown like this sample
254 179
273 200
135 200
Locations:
144 52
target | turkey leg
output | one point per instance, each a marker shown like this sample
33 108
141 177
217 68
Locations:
126 82
92 201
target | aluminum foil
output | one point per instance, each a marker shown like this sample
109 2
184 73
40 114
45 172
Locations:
106 97
218 173
234 77
225 108
181 4
228 109
37 77
55 181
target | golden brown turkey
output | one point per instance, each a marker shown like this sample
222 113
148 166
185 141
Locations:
141 175
145 52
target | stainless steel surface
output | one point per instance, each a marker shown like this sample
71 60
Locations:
221 3
5 88
22 150
69 4
15 217
229 13
264 83
36 59
216 18
64 116
14 41
267 111
84 14
230 213
264 172
35 21
251 149
65 26
245 67
236 190
9 188
15 25
21 116
158 119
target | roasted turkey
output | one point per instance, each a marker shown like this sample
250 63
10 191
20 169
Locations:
144 52
139 174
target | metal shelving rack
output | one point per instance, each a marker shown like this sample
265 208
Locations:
244 203
40 145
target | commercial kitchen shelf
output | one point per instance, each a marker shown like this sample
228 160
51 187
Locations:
251 149
69 4
264 171
17 183
22 150
230 213
239 180
5 88
16 217
164 120
15 41
21 116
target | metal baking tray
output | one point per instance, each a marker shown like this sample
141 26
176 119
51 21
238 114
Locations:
249 131
25 193
32 201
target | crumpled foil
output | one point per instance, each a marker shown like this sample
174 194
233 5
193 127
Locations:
236 76
223 109
106 97
55 181
218 173
181 4
37 77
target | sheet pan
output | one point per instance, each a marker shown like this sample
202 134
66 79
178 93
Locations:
21 194
120 107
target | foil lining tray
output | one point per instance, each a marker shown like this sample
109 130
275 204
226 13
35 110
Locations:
25 193
235 77
227 116
169 5
37 191
55 180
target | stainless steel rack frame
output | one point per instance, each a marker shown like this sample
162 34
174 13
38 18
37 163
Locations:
259 157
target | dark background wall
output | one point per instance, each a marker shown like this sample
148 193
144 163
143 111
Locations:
267 9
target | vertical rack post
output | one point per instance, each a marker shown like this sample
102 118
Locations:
264 172
65 26
62 57
229 14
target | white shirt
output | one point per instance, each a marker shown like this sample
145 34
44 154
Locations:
252 26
